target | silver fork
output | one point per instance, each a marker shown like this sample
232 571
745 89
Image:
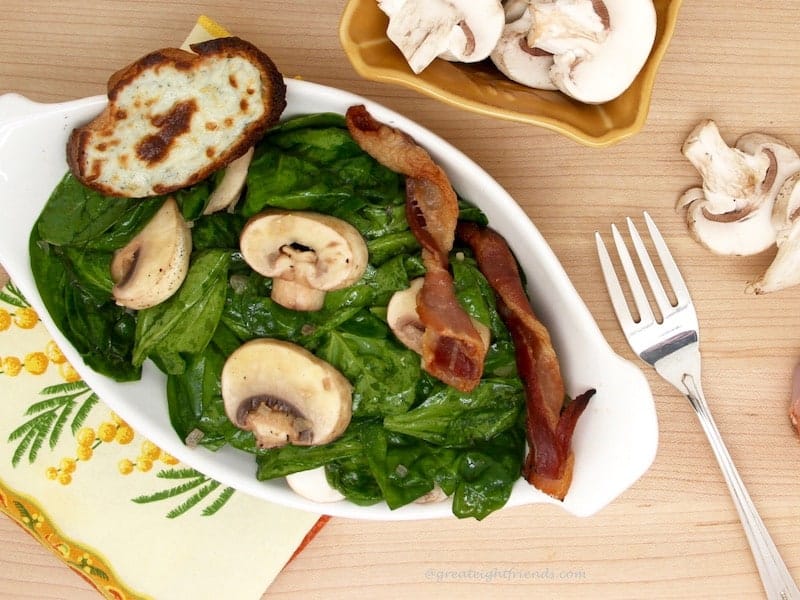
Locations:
672 347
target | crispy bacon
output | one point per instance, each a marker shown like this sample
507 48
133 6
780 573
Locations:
452 349
549 424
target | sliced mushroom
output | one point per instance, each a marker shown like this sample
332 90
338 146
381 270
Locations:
560 26
435 495
402 316
152 266
784 271
226 194
307 254
598 46
513 9
462 30
517 60
731 214
284 394
313 485
404 321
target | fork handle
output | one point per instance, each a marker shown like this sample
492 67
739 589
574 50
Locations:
775 576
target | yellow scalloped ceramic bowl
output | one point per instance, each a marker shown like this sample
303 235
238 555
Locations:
483 89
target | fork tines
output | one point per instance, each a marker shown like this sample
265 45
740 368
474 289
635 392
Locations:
640 300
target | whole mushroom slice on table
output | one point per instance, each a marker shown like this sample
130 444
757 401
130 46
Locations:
784 271
284 394
456 30
731 214
152 266
598 46
307 254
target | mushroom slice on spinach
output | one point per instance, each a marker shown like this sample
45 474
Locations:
307 254
284 394
313 485
405 323
152 266
226 194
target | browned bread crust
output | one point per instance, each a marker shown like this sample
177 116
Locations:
174 117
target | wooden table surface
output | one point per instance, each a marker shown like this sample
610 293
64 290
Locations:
675 533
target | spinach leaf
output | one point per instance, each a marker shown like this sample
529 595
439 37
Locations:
462 419
136 214
184 323
194 399
101 331
91 268
384 373
487 474
277 462
193 200
470 212
217 230
75 214
318 166
391 470
391 245
251 313
354 478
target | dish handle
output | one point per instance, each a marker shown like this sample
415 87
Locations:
16 107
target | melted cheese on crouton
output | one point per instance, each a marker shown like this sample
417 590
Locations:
172 119
180 121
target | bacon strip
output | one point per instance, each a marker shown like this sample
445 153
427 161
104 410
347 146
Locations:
452 349
549 424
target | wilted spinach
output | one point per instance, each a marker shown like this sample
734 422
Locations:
409 434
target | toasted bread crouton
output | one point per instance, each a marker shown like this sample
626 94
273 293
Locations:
174 117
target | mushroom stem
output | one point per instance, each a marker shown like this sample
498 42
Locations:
296 295
729 175
274 427
307 254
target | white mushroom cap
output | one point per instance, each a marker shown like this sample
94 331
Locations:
152 266
731 213
462 30
517 60
595 58
313 485
284 394
306 254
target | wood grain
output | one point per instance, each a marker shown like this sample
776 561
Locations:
675 533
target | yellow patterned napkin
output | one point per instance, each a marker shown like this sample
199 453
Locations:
114 507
